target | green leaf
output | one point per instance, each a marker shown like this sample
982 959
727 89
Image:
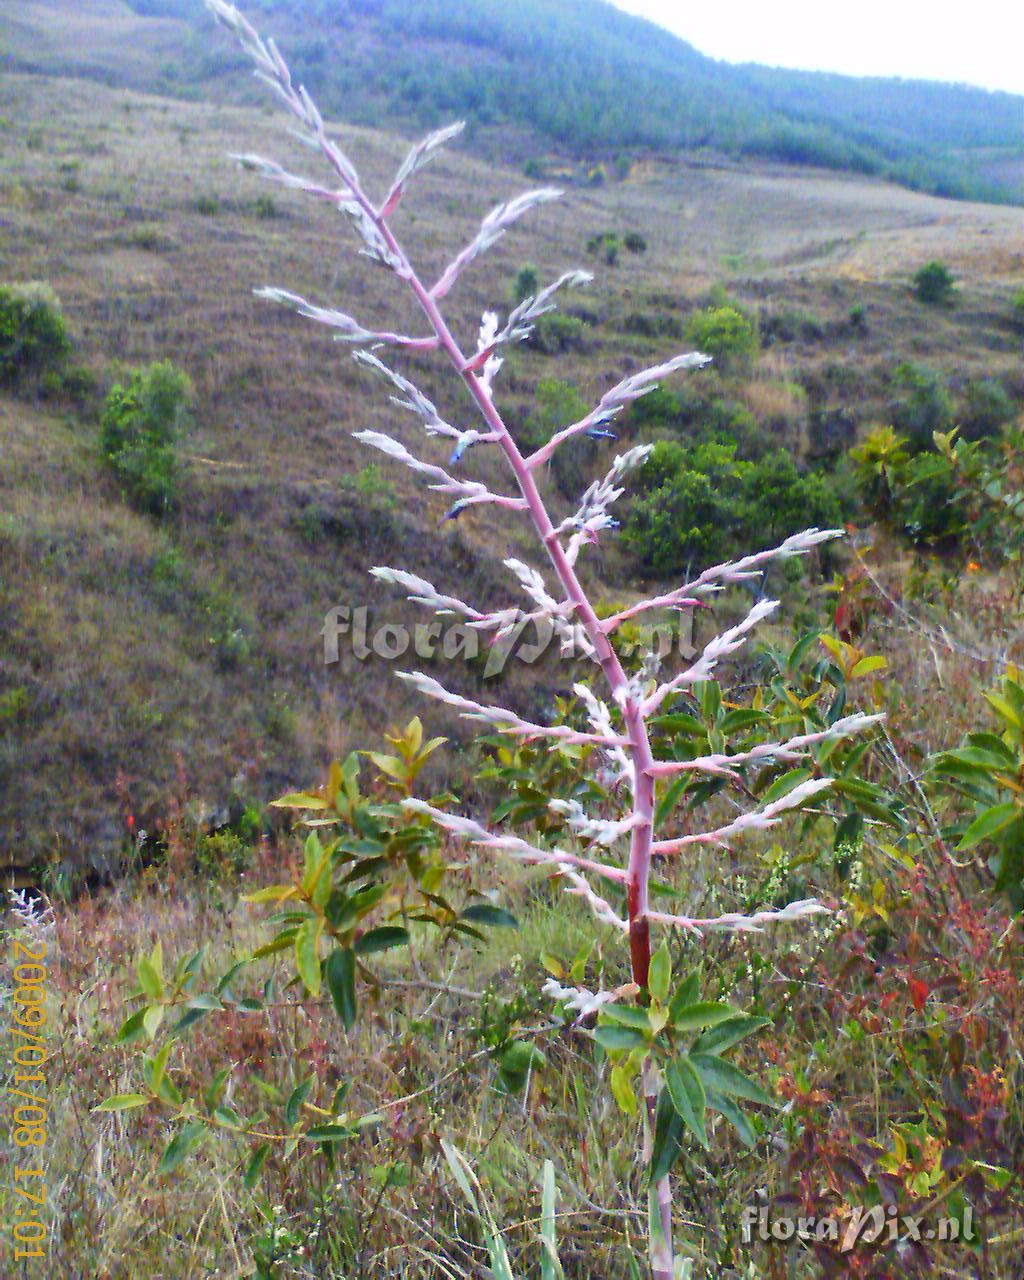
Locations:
627 1015
989 823
300 800
550 1267
726 1079
187 1019
381 939
659 979
255 1167
149 980
784 785
124 1102
622 1089
708 1013
495 917
132 1028
686 994
159 1066
687 1095
330 1133
670 799
341 982
727 1033
307 954
294 1104
152 1018
272 893
867 665
212 1095
520 1057
727 1108
181 1147
618 1039
669 1132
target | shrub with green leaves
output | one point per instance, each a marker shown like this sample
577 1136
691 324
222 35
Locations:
986 409
34 336
934 284
726 333
702 501
526 284
922 404
986 771
141 424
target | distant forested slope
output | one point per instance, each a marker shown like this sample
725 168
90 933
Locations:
583 77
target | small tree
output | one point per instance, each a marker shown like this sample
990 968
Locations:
934 284
33 332
923 404
142 420
725 333
526 283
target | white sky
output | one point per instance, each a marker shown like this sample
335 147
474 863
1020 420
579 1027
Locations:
979 43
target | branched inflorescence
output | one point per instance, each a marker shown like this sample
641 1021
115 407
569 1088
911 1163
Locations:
619 726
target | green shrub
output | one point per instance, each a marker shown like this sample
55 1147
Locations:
77 384
141 423
986 409
33 332
933 284
922 405
208 206
859 317
653 326
1017 309
792 325
266 208
702 502
635 242
558 405
526 283
556 333
725 333
607 245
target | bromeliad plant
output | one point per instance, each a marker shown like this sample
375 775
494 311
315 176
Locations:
666 1039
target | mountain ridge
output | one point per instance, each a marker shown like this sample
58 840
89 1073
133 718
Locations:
579 78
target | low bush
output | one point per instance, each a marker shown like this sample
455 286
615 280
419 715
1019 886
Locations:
652 325
702 502
525 285
557 332
934 284
606 245
140 426
725 333
922 404
985 410
33 332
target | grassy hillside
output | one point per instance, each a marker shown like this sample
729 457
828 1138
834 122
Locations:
533 76
134 642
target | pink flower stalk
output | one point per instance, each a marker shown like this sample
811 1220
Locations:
568 609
